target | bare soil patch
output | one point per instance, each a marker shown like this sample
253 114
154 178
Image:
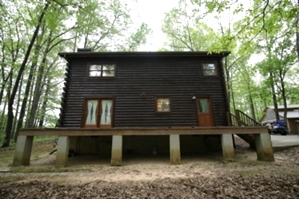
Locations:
199 176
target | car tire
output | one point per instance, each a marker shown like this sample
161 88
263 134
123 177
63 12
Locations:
283 133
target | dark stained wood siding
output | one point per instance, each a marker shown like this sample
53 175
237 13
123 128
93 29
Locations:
138 81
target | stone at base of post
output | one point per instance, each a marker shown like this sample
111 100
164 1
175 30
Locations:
62 151
116 153
23 150
264 148
227 147
175 151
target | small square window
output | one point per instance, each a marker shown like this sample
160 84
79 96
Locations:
101 70
209 69
162 105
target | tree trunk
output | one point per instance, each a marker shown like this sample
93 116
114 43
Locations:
8 91
27 90
38 85
274 97
297 33
284 98
230 95
10 115
3 118
36 95
44 105
13 133
30 101
250 99
252 109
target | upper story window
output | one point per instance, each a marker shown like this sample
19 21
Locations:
101 70
163 105
209 69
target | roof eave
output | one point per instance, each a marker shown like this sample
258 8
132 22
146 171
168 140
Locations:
144 54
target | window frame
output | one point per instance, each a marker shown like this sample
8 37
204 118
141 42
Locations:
101 71
204 71
156 104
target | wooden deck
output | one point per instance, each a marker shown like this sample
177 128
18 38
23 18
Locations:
24 144
143 131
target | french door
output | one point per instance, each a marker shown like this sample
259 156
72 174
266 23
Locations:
98 113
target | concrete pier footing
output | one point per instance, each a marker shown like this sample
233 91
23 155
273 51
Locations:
116 151
227 147
25 141
175 151
264 148
23 150
62 151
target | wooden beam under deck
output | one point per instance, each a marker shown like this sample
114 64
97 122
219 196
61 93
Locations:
143 131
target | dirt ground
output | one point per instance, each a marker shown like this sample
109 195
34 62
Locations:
199 176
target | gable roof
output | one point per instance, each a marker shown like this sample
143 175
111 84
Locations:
269 114
290 114
289 106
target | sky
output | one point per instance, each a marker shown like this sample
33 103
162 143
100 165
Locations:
152 12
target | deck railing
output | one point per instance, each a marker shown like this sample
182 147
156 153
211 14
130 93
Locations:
245 120
242 119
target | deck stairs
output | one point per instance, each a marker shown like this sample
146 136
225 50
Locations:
242 119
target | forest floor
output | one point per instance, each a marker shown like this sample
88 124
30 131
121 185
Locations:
200 176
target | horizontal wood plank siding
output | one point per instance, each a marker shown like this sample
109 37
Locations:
138 81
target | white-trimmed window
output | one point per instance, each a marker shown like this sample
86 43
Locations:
101 70
209 69
163 105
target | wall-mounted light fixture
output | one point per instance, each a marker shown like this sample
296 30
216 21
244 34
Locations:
193 98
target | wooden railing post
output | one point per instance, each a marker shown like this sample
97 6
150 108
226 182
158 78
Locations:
237 113
229 118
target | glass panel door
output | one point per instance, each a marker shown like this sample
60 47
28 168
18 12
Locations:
98 113
203 105
91 113
106 109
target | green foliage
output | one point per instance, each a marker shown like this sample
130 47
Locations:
136 39
44 138
186 31
12 143
105 25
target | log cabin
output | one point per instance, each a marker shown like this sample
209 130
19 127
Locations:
144 103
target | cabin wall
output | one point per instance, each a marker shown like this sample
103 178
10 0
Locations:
138 81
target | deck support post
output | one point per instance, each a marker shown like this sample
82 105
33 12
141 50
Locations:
264 148
117 147
62 151
23 150
227 147
175 151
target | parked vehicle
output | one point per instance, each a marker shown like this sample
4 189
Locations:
277 127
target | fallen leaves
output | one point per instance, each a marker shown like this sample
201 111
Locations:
249 179
226 186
